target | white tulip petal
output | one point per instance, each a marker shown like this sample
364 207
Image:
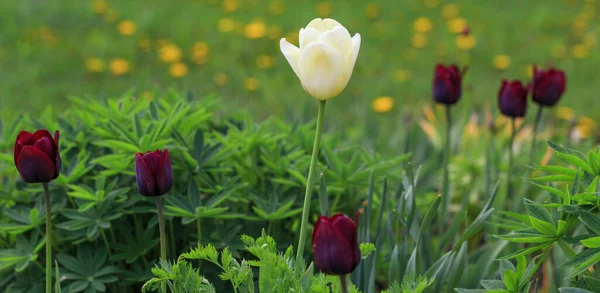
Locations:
322 71
316 23
307 36
355 49
332 39
292 54
328 24
345 41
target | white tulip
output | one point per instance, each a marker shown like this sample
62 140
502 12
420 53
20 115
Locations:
325 59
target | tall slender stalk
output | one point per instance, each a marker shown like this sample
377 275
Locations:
343 284
538 117
163 239
48 239
310 180
510 159
447 154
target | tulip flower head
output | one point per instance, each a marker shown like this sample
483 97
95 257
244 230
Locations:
153 173
335 244
512 98
37 156
548 86
447 84
325 59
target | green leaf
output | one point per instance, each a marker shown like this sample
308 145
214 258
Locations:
538 212
523 237
593 242
543 226
573 290
511 280
576 161
366 249
527 250
590 220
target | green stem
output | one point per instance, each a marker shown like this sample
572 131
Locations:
447 154
510 160
106 245
310 179
566 248
538 117
172 233
343 284
199 230
163 240
48 239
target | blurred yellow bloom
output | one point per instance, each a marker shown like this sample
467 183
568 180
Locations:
45 33
127 27
100 6
372 10
419 40
422 25
178 70
429 114
230 5
225 25
528 70
432 3
565 113
145 44
323 9
589 40
276 7
95 64
579 51
119 66
465 42
410 54
200 52
255 30
274 32
457 25
401 75
589 12
383 104
431 132
220 79
264 61
251 84
170 53
450 11
147 95
292 37
472 129
559 51
579 24
585 127
501 62
111 16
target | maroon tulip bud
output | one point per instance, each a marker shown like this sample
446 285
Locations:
548 86
447 84
512 98
37 157
153 173
335 244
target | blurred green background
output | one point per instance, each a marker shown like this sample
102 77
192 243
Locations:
50 50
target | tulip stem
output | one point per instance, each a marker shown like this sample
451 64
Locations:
510 158
48 238
447 154
310 179
343 284
163 240
538 117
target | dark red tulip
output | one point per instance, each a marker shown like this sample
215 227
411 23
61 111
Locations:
447 84
512 98
36 156
548 86
153 173
335 244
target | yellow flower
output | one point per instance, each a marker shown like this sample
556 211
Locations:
220 79
579 51
422 25
383 104
465 42
419 40
100 6
372 10
251 84
401 75
585 127
170 53
528 70
230 5
95 64
323 9
559 51
450 11
589 40
178 70
127 27
274 32
200 52
429 114
264 61
501 62
255 30
119 66
226 25
457 25
145 44
111 16
565 113
432 3
276 7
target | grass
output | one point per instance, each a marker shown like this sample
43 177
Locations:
50 51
